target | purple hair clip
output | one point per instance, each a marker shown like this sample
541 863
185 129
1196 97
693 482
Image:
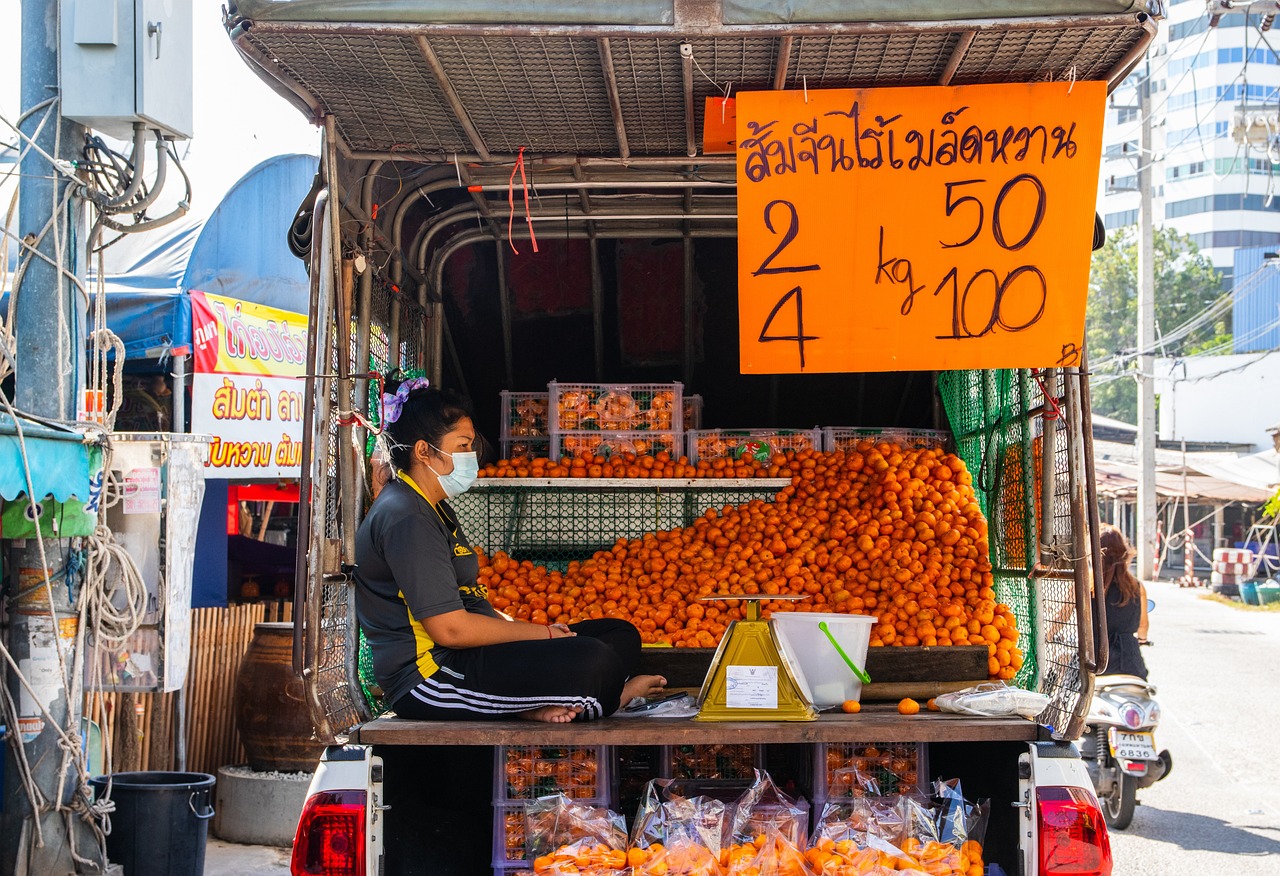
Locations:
392 405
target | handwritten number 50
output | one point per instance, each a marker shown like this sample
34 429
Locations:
971 202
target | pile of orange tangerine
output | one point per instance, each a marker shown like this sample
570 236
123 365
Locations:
630 465
880 530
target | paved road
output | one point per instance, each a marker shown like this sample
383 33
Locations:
1219 810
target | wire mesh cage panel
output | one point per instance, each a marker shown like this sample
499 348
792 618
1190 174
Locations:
1008 426
555 522
755 444
847 438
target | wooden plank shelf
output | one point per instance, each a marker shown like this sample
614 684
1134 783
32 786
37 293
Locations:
876 723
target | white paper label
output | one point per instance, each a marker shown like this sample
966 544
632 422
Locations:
751 687
142 491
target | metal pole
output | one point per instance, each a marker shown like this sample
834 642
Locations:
179 394
50 320
1146 522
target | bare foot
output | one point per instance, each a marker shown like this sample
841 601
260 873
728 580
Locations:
642 686
552 714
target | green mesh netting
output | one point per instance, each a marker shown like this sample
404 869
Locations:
369 687
988 412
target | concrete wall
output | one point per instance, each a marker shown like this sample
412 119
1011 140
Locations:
1219 398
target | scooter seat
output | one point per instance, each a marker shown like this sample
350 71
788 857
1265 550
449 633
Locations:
1108 682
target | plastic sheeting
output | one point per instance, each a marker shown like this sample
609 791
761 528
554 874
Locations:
57 459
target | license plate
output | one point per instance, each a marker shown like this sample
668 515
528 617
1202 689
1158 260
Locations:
1133 746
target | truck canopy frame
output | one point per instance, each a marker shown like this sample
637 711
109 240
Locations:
426 109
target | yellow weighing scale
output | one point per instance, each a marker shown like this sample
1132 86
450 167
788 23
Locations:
750 678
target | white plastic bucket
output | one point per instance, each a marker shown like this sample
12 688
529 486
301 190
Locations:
822 673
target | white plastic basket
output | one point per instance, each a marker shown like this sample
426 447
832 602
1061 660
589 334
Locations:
720 443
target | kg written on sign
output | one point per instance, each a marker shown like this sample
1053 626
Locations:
916 228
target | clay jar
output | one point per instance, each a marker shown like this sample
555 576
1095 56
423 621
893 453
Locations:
270 707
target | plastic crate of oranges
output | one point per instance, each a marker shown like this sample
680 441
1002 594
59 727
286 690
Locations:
753 445
612 445
692 412
524 426
847 438
726 761
616 407
523 772
841 769
509 836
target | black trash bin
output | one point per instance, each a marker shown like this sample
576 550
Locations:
160 823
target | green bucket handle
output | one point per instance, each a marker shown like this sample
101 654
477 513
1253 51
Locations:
862 675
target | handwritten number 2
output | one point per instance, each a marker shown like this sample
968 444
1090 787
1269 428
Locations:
799 337
793 228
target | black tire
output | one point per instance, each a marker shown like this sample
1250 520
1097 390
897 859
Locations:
1118 806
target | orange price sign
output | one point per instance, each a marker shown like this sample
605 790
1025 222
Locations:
901 229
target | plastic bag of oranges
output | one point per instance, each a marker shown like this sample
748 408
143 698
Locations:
566 833
765 855
678 824
682 857
584 858
763 810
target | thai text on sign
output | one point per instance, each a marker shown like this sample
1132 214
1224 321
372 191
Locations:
916 228
247 386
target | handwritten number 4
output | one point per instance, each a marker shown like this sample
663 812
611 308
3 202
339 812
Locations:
799 337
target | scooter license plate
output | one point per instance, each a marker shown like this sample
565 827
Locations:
1133 746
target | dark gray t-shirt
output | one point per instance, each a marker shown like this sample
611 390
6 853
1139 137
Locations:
412 562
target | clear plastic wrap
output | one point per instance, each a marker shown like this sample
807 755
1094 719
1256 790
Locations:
766 855
941 836
994 700
765 811
677 836
556 826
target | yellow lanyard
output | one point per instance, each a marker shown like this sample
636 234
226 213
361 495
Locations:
417 489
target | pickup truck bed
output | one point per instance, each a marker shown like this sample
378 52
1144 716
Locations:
875 723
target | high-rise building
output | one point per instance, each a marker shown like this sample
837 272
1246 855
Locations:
1215 99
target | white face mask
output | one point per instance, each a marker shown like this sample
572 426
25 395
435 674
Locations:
466 467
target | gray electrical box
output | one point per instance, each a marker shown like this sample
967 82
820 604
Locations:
127 61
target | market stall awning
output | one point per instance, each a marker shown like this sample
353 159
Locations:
481 80
1120 480
56 460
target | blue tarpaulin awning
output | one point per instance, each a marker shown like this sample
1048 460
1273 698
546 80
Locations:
57 461
238 251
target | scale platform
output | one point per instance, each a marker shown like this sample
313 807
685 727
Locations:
750 678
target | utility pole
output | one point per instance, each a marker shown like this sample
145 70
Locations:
1146 522
50 320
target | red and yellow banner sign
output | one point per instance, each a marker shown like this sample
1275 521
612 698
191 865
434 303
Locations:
247 389
240 337
916 228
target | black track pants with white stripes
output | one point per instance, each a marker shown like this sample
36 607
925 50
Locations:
499 681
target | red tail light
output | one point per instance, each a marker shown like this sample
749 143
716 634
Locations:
1073 834
330 839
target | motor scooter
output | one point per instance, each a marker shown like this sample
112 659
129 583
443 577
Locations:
1118 745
